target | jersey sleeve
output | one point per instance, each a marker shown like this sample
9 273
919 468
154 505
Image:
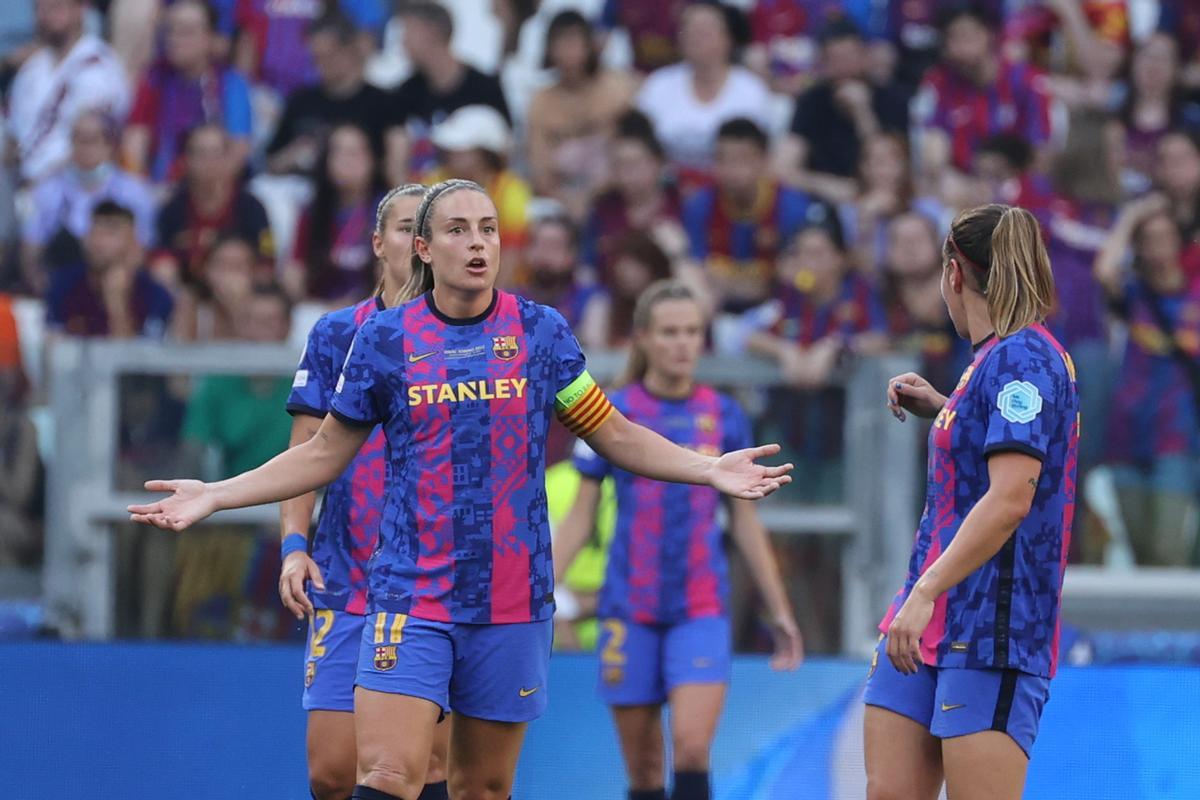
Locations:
1024 395
312 386
579 402
591 465
736 424
360 396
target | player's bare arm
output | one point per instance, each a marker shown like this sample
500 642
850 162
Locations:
984 531
295 471
640 450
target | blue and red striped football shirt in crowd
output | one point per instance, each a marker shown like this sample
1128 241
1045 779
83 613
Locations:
1153 409
665 563
348 526
1017 395
1016 102
465 405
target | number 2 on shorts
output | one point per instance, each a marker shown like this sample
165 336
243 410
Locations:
322 623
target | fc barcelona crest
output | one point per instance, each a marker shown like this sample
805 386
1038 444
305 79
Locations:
505 348
385 657
706 422
310 672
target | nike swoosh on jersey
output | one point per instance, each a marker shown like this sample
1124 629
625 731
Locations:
948 707
413 358
527 692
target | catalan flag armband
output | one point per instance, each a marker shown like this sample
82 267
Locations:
582 406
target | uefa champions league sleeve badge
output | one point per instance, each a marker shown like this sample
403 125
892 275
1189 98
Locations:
1019 402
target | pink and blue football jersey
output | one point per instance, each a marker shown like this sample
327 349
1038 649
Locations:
666 564
348 525
465 406
1019 395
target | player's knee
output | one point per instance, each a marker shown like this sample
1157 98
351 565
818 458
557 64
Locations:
330 787
394 780
329 780
887 790
690 753
437 767
467 787
646 770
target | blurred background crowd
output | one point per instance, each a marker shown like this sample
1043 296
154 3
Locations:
208 170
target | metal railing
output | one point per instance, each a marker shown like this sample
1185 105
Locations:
875 521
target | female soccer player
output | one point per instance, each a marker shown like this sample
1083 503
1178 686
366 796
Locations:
347 530
663 609
971 640
464 379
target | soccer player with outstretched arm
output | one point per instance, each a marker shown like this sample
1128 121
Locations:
464 380
962 671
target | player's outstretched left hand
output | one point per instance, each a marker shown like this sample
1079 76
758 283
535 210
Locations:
738 475
190 502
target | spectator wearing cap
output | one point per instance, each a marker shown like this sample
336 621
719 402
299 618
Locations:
332 261
473 143
109 292
736 227
341 94
571 122
972 93
688 101
822 150
639 197
439 85
210 200
61 204
22 479
70 72
187 88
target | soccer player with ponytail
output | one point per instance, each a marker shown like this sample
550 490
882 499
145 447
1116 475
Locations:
333 561
464 380
663 610
968 647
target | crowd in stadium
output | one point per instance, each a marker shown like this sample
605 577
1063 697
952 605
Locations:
203 171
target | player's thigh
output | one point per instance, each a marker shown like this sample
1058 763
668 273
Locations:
988 720
439 755
987 765
404 670
903 758
332 755
631 663
697 658
639 729
483 757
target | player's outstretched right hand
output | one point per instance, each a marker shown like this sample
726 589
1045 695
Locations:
912 393
190 502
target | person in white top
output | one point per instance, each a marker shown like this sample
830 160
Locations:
688 101
71 72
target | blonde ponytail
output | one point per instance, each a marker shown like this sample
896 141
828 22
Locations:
643 313
1001 251
1020 286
